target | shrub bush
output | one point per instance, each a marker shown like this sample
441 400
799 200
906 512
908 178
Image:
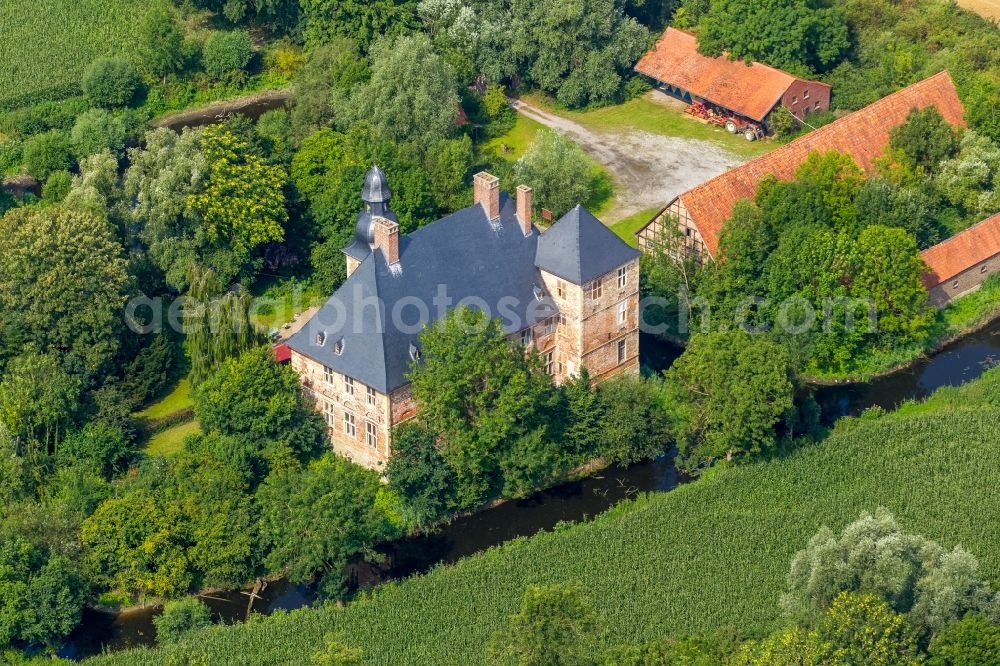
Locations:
179 617
111 82
97 131
226 53
56 186
45 153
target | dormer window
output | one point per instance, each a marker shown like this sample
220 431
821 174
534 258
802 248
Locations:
414 352
538 292
338 347
320 339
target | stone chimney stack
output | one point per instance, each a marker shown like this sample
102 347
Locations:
387 237
486 190
524 208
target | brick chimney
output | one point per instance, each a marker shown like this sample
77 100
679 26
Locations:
486 190
524 208
387 238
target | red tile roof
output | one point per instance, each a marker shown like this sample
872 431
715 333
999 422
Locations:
282 353
750 90
863 135
962 251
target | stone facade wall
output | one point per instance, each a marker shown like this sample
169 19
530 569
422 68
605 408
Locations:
334 401
604 330
965 282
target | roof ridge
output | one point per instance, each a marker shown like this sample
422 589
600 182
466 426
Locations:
820 132
751 63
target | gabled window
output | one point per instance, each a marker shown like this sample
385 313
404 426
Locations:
415 354
622 277
338 347
538 292
805 94
320 339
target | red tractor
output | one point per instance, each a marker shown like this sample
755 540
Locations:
733 124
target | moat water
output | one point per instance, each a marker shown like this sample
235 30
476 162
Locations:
960 362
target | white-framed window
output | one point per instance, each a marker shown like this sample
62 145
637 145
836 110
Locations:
526 337
623 312
350 429
622 277
549 327
328 375
560 289
795 100
594 289
622 350
983 268
370 396
805 94
371 435
329 414
549 359
348 385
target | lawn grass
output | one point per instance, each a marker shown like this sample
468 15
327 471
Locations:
178 400
709 554
627 228
170 440
46 45
642 113
276 302
516 140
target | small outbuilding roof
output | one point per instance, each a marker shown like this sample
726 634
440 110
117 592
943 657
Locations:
751 90
962 251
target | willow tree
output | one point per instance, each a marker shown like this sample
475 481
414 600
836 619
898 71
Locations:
216 322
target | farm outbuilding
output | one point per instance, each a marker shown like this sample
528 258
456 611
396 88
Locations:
700 213
735 94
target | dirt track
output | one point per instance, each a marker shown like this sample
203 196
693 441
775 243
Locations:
648 169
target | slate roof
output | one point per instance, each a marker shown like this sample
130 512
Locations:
468 256
962 251
863 135
750 90
579 248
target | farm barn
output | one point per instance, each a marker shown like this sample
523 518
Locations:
725 92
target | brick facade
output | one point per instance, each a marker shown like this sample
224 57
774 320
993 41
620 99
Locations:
964 283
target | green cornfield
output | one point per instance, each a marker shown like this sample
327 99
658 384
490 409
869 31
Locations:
709 554
45 45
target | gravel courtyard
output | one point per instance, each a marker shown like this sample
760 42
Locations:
648 169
